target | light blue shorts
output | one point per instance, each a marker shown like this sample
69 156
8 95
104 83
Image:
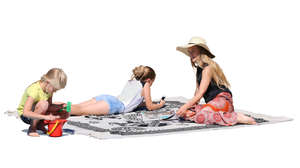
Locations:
115 105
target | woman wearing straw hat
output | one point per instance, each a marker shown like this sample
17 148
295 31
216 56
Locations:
212 85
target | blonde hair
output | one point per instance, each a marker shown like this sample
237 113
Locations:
142 73
217 72
56 77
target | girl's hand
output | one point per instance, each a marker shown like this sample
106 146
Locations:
51 117
162 103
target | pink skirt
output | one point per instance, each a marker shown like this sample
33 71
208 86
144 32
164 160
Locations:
219 111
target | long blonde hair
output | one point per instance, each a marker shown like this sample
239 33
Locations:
142 73
56 77
217 73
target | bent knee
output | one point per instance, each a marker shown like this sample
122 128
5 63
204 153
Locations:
42 106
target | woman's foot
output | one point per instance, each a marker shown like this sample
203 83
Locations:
242 118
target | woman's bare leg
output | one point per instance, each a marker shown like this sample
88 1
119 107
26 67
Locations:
243 119
91 108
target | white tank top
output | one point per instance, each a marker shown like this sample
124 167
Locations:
131 95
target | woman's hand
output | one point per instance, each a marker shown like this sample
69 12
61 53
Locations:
190 115
181 111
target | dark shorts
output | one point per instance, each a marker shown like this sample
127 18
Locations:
26 119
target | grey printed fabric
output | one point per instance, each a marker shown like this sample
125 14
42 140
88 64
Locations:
142 122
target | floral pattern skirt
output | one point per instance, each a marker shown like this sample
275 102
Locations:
219 111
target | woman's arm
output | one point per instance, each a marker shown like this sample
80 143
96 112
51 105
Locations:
197 86
148 101
206 78
196 90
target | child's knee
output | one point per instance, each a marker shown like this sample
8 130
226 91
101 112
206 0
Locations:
42 106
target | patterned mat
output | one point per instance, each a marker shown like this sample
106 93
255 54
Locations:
144 122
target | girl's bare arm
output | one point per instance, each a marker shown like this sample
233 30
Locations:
27 112
148 101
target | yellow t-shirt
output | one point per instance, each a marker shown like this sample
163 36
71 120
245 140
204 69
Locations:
36 92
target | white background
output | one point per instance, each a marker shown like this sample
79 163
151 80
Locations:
98 44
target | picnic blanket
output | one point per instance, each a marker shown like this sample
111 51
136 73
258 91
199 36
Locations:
142 122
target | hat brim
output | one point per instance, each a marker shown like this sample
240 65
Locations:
184 49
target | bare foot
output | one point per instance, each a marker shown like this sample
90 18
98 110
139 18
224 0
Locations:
245 119
33 134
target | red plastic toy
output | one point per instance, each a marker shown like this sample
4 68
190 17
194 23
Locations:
55 127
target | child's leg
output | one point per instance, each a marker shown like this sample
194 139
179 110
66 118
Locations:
243 119
96 108
40 108
41 126
86 103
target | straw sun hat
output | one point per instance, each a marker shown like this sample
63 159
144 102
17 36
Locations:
199 41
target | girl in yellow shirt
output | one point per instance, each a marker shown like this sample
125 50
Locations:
37 98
